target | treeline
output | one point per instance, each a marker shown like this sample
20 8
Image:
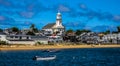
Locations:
78 32
33 30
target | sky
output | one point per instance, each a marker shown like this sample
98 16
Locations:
95 15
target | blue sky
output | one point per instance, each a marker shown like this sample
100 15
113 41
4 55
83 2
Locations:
95 15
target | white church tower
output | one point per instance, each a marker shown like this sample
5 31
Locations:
55 28
58 27
58 19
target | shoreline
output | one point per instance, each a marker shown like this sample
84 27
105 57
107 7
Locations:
44 47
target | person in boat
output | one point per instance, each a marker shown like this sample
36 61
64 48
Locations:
34 58
46 50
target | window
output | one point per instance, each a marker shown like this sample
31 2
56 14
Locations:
11 36
16 36
27 37
20 37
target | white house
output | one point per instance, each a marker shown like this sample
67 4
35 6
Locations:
111 38
23 39
19 39
55 39
3 37
41 39
90 38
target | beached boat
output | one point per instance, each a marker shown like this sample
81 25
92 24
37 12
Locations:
44 58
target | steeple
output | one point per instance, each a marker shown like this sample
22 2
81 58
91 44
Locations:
58 19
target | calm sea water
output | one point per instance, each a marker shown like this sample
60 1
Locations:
66 57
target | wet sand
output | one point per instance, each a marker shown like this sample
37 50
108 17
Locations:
2 48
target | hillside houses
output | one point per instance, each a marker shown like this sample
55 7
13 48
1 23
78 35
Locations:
111 38
89 38
94 38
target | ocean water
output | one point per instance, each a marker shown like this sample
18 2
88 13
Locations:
65 57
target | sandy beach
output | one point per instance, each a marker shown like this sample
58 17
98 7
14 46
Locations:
56 47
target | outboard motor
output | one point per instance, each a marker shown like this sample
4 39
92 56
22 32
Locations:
34 58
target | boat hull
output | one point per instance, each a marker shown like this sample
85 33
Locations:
44 58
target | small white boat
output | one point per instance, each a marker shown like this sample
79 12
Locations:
44 58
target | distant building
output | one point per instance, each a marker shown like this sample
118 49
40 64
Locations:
2 36
40 39
19 39
55 39
54 28
90 38
23 39
25 31
8 31
111 38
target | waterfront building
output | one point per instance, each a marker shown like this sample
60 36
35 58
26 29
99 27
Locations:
24 31
40 39
55 39
3 36
111 38
89 38
23 39
19 39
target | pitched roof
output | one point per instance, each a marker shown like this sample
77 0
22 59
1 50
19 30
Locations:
2 33
49 25
20 35
39 38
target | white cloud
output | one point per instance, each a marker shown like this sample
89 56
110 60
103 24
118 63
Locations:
27 14
2 18
63 8
83 6
116 18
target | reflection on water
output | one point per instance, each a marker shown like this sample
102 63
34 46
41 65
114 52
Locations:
66 57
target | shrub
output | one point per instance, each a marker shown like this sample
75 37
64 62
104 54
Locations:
3 43
38 43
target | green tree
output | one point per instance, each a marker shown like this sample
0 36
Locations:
30 33
78 32
85 31
3 43
118 28
115 32
70 31
15 29
33 28
106 32
1 30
